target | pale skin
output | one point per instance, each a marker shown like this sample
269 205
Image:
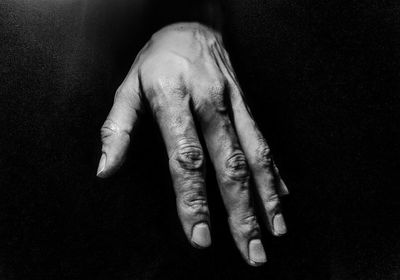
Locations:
184 73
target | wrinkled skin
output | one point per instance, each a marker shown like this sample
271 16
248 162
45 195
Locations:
185 75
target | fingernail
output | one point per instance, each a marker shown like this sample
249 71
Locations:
279 224
201 235
102 164
256 252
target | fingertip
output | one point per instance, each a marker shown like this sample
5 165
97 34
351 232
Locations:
279 225
201 236
257 254
102 165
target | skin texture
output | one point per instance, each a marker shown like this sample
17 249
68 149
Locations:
185 75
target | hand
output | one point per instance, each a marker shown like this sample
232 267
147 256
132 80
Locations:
185 74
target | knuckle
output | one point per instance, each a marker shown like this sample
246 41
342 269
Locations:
249 221
237 168
194 199
163 83
112 135
211 96
216 89
109 129
165 87
264 156
189 155
271 202
247 225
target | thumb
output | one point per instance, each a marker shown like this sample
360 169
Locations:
116 130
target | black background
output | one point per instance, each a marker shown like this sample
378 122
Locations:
322 80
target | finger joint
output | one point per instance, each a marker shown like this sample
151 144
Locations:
189 155
237 168
264 157
271 202
247 225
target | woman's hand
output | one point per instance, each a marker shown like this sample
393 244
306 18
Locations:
185 74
